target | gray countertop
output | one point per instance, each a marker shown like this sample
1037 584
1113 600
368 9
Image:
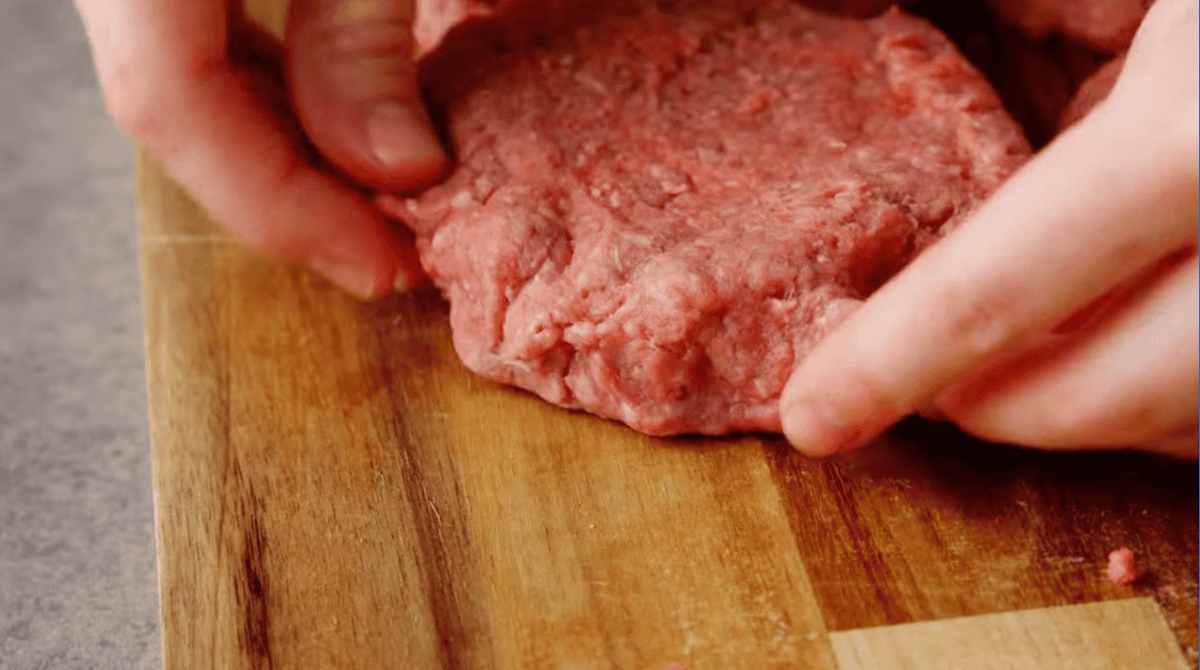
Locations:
78 587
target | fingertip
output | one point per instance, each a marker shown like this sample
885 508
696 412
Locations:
807 426
389 147
384 146
391 205
410 276
368 261
353 85
360 281
401 140
366 283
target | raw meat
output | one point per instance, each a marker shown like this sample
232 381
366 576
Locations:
656 215
1092 92
1122 569
1105 25
434 18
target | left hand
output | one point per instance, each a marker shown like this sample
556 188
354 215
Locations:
202 88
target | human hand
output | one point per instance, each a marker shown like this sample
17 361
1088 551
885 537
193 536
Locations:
203 89
1063 313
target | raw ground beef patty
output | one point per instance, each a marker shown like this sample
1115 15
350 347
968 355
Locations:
656 215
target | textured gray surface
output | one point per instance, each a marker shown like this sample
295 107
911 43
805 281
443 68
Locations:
77 567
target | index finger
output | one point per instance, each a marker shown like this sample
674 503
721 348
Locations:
1108 197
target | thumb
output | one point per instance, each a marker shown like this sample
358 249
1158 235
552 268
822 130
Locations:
353 82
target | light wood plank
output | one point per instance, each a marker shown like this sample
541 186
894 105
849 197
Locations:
1112 635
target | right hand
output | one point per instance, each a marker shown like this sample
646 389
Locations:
203 89
1062 314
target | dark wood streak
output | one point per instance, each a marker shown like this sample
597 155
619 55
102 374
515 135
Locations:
849 573
877 571
449 561
253 581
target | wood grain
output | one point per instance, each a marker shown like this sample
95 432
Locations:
334 490
930 524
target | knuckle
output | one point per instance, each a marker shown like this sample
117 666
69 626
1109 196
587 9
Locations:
350 27
146 99
369 75
980 322
366 47
388 36
130 102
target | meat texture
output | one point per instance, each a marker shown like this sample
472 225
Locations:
1122 568
859 9
435 18
657 213
1104 25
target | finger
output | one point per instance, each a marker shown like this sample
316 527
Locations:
1108 197
1184 444
169 81
353 82
1132 381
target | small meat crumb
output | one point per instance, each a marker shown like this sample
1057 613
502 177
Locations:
1121 567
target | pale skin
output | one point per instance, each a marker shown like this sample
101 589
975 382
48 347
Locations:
980 329
203 91
1062 315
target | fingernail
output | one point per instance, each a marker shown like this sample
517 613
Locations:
399 135
410 280
409 274
358 281
401 285
809 429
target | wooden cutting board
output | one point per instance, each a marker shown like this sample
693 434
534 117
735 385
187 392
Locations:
334 490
